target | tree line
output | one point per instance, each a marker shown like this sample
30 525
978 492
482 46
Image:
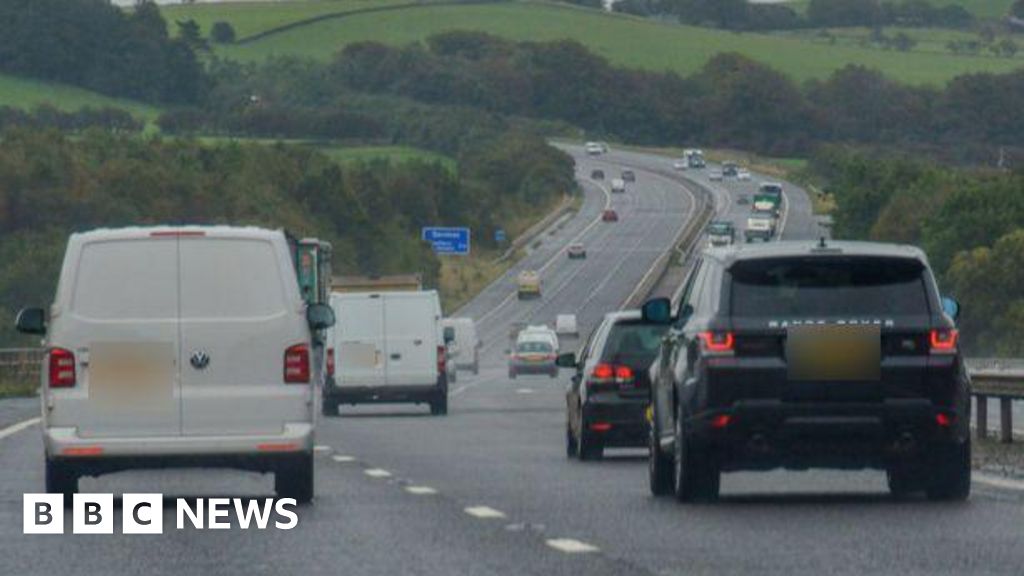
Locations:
969 222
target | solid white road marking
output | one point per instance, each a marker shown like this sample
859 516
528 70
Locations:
342 458
524 391
15 428
484 512
420 490
570 546
377 473
997 481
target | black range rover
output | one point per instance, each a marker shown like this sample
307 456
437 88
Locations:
810 355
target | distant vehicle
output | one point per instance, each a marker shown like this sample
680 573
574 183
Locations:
743 175
618 185
770 188
595 148
576 251
389 347
534 352
730 169
759 229
610 391
721 233
184 346
566 324
597 175
466 343
769 197
610 215
528 284
743 200
681 164
856 362
694 158
628 176
715 175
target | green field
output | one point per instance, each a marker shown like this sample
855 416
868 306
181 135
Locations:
27 94
624 40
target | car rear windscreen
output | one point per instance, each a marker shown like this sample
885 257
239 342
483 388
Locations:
828 287
633 343
534 348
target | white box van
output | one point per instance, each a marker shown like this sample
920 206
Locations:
178 347
466 344
388 347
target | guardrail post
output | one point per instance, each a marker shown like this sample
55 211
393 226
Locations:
981 420
1006 420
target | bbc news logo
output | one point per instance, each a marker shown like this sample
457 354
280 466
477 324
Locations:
144 513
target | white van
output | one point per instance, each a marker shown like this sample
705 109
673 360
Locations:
466 344
618 185
178 347
388 347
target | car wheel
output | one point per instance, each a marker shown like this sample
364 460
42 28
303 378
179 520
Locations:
439 405
695 477
329 408
511 374
554 373
293 478
950 477
476 368
570 442
61 478
589 447
659 466
453 376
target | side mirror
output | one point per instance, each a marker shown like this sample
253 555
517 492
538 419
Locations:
657 311
951 307
31 321
449 334
320 316
567 360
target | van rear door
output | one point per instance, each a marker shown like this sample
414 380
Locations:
411 326
121 323
359 339
238 318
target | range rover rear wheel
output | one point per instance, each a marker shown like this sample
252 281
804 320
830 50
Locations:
950 475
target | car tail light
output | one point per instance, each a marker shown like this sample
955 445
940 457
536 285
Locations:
603 373
442 366
721 421
718 343
944 341
62 368
623 375
296 364
330 361
943 419
601 426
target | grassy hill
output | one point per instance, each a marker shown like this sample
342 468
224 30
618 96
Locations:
25 93
624 40
980 8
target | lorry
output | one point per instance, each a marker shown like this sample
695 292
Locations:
694 158
760 228
388 347
769 193
528 284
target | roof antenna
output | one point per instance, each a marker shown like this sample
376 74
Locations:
821 242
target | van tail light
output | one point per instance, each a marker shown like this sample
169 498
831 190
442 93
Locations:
442 360
62 368
717 343
330 362
944 341
296 364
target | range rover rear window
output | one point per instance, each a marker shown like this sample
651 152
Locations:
822 287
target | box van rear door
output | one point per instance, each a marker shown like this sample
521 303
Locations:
359 340
122 326
238 317
411 326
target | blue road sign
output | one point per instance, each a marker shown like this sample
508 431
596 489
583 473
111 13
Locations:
448 240
499 235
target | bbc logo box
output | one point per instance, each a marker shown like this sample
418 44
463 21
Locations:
93 514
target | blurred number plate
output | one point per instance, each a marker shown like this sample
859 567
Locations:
140 373
834 353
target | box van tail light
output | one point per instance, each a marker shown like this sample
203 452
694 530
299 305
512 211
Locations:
442 364
718 343
944 341
330 361
296 364
62 368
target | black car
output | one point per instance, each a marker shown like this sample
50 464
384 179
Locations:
628 176
608 396
730 169
597 175
801 355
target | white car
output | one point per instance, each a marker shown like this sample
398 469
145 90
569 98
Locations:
466 343
618 185
178 346
743 174
595 148
680 164
566 324
715 175
389 347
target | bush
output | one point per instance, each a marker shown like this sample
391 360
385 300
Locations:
222 32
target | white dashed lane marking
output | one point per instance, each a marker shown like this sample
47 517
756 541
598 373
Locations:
570 546
377 473
14 429
321 448
342 458
484 512
420 490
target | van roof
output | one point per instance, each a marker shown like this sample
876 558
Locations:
137 232
731 254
